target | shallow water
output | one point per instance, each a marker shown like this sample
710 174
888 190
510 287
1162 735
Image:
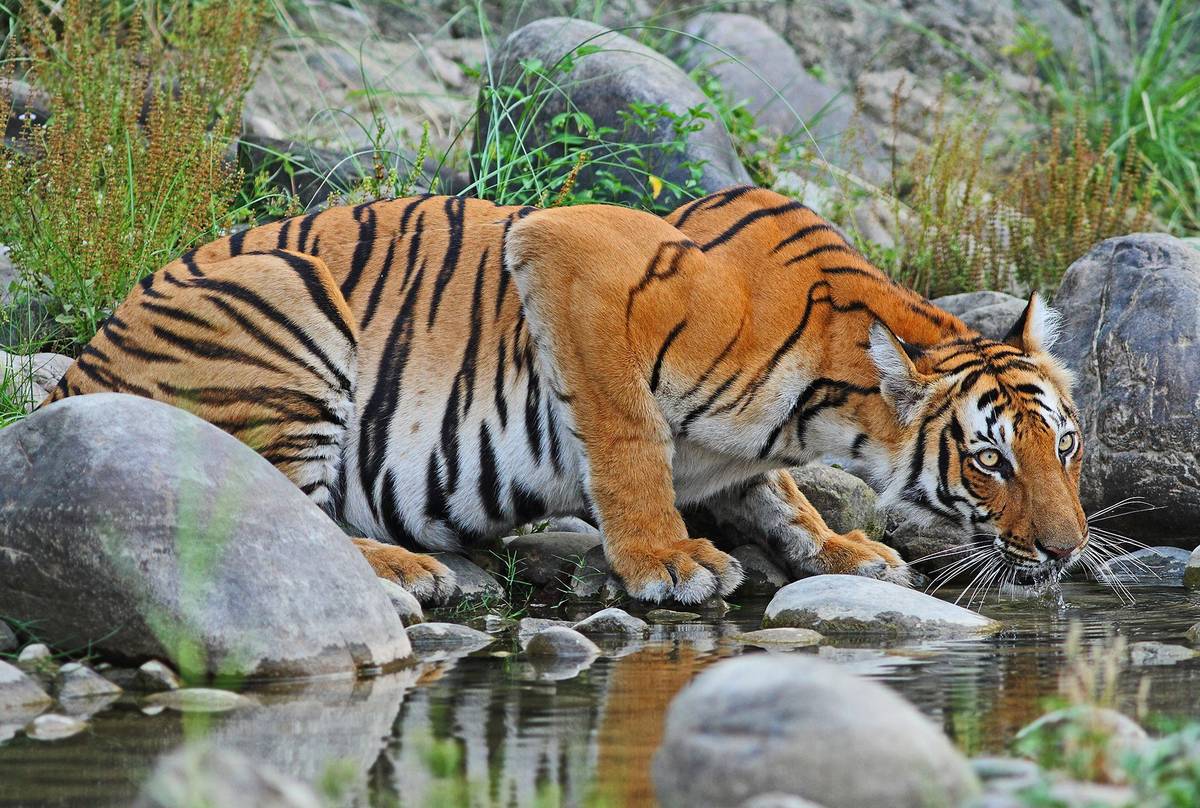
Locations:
490 728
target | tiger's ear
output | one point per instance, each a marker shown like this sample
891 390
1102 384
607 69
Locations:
900 383
1036 330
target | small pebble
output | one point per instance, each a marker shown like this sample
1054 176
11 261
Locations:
53 727
670 616
781 636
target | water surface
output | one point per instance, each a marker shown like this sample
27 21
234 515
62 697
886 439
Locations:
491 728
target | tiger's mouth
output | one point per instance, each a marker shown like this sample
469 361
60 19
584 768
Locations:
1027 571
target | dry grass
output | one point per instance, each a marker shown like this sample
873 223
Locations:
131 168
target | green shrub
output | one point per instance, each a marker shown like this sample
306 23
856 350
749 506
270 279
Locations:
130 171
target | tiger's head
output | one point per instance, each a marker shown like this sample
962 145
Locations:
989 441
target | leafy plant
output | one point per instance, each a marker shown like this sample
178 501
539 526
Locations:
130 169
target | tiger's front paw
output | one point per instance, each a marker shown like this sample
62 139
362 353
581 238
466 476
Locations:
429 580
854 554
686 570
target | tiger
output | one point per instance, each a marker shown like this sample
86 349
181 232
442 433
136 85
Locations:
435 370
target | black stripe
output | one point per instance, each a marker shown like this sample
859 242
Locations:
307 270
363 249
282 242
260 336
498 385
696 412
176 314
189 261
533 428
803 233
305 227
489 477
236 242
436 506
527 505
662 352
125 346
207 349
392 519
455 216
824 248
749 219
281 399
377 287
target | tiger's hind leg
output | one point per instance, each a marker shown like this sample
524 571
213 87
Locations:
774 513
263 346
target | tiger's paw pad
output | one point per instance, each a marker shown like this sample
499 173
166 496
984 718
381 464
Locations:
429 580
686 571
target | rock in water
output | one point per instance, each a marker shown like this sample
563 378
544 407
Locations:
407 607
778 637
206 775
199 700
1191 573
1131 335
613 622
612 73
763 576
451 636
530 627
54 727
558 642
845 502
472 581
549 557
1161 566
19 693
135 526
76 681
1159 653
774 724
850 604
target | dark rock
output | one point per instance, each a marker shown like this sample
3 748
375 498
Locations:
852 604
918 542
77 681
441 636
473 582
846 502
754 64
603 84
149 550
8 639
992 314
571 524
763 576
592 578
560 642
206 775
547 558
1131 335
770 723
612 622
1161 566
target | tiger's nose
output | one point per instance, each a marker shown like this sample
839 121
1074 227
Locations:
1060 550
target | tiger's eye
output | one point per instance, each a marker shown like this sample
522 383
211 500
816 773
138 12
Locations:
988 458
1066 444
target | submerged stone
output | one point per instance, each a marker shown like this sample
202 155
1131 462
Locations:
1159 653
205 775
530 627
851 604
670 616
559 642
787 724
447 636
199 700
612 622
54 727
1161 566
799 637
18 692
76 681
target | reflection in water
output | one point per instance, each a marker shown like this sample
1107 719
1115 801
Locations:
491 729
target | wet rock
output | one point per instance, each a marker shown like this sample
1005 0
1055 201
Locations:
76 681
34 376
199 700
156 677
770 637
1191 573
604 84
206 775
1131 335
592 578
54 727
763 576
770 723
612 622
1193 634
442 636
755 65
546 558
560 642
1110 737
850 604
136 597
992 314
474 582
1162 566
407 607
670 616
19 693
846 502
34 653
8 639
529 627
1159 653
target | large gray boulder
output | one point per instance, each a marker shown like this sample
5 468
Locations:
142 531
844 501
851 604
1131 334
754 64
612 73
784 724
